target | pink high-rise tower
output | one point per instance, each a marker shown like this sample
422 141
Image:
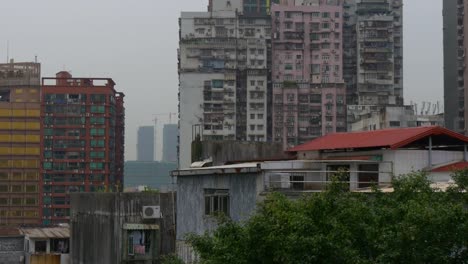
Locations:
308 88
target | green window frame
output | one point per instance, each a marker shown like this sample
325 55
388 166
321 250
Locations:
97 143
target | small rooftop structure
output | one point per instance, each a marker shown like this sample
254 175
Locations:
46 232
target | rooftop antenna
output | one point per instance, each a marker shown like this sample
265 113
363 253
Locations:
35 58
8 51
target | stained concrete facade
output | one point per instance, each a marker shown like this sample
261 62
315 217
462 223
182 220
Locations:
11 249
243 189
455 60
99 226
220 152
223 76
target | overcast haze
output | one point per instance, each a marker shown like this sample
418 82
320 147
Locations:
135 43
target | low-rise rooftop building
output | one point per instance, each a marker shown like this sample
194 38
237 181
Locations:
364 158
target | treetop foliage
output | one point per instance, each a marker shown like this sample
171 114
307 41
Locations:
413 224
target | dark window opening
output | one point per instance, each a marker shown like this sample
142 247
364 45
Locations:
40 246
368 175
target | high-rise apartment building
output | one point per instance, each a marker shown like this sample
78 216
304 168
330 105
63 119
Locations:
170 133
223 75
145 143
373 55
308 88
20 143
83 141
455 61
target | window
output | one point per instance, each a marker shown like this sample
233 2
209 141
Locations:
98 98
97 154
96 166
368 175
315 14
325 15
216 201
394 123
98 131
16 188
94 143
315 26
314 36
217 83
59 245
337 14
40 246
98 109
140 242
325 25
97 120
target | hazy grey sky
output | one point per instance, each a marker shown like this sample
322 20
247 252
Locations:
135 43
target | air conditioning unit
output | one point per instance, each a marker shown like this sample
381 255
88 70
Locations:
151 212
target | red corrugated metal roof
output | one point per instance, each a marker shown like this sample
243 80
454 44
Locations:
452 167
386 138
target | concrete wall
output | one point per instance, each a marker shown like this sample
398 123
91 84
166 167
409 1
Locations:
223 151
191 218
11 250
406 161
97 224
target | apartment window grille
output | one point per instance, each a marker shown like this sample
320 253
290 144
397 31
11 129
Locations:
217 201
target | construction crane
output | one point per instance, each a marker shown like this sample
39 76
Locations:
164 114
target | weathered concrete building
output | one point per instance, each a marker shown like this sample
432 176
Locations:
34 245
49 245
375 117
455 61
373 54
307 57
224 75
222 152
122 227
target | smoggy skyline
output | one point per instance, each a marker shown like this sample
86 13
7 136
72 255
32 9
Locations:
135 43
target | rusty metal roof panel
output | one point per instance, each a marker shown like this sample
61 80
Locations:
46 232
393 138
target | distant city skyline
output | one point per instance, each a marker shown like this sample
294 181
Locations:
136 46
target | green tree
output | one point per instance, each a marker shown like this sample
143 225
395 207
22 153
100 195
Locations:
413 224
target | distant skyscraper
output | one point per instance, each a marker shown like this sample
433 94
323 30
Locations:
170 133
145 144
455 60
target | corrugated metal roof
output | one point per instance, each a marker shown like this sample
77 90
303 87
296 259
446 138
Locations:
46 232
386 138
452 167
